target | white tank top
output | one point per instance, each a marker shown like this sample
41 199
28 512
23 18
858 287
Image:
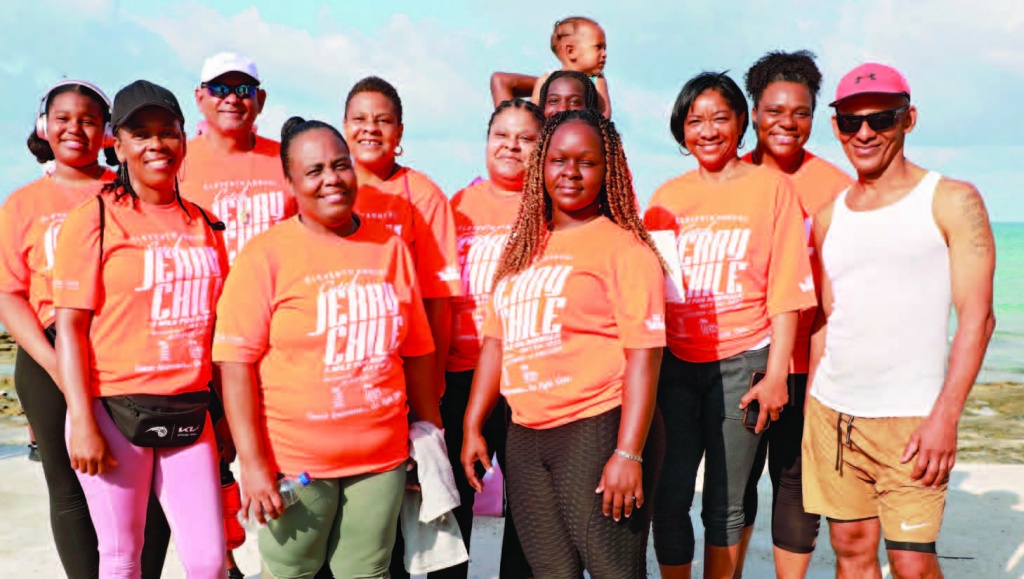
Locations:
885 345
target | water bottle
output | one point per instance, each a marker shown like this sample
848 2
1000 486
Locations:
288 487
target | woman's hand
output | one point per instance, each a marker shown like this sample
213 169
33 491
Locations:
412 476
622 485
772 393
88 449
474 449
259 488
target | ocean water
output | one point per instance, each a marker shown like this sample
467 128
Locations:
1004 361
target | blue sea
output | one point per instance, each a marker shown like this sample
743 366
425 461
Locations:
1005 359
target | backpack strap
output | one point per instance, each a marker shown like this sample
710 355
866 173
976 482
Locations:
214 225
103 224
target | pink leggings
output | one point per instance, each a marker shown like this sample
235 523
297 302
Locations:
187 483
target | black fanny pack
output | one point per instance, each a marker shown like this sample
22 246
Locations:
158 421
149 419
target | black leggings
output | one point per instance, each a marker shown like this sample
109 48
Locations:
552 474
793 529
453 410
72 527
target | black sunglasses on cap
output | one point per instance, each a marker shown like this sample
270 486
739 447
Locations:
221 90
880 121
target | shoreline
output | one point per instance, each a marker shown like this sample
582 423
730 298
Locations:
991 427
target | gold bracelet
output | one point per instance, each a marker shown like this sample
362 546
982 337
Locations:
629 456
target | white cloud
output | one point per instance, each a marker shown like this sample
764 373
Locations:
419 58
965 62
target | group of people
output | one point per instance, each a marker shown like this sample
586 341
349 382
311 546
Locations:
298 304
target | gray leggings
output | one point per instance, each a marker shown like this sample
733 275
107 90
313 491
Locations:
700 404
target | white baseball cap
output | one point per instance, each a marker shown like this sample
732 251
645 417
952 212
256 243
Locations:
226 62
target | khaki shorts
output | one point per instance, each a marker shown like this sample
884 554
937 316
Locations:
852 471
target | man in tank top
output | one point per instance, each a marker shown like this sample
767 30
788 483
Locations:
897 248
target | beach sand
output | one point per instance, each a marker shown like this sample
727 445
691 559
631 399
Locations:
982 537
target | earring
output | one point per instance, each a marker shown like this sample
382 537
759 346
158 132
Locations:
399 151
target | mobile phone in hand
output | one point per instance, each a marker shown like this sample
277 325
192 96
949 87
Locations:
753 410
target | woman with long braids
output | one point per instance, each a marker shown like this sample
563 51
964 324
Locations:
137 273
573 340
69 133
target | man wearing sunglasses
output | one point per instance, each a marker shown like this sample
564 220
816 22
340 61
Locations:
229 168
236 175
897 248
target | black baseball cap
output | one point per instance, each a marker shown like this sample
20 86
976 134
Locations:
139 94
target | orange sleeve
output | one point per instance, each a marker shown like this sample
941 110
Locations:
77 269
790 285
657 217
418 340
492 325
437 258
246 304
638 296
14 270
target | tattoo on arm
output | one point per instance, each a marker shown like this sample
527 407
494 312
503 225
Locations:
973 210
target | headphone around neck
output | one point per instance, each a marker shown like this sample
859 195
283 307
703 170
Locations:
108 130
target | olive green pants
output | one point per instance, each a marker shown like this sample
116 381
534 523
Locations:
348 522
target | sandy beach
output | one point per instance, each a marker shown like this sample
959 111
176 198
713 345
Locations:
983 533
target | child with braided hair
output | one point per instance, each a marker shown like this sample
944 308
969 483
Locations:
573 339
567 90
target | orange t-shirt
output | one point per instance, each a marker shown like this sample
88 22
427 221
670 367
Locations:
247 191
565 320
152 297
30 220
326 321
743 253
484 217
817 183
413 207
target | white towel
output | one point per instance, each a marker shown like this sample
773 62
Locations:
433 540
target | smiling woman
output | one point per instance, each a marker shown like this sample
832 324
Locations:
134 332
784 90
742 249
404 200
72 128
337 297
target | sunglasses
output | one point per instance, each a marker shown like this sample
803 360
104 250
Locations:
880 121
221 90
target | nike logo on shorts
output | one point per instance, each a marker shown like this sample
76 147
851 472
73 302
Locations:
904 526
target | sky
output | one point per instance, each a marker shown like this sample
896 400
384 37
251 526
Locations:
964 62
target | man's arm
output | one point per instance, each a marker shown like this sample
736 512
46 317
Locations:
961 216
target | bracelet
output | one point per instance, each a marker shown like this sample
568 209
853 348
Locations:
629 456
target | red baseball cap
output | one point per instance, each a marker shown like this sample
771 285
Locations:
871 78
